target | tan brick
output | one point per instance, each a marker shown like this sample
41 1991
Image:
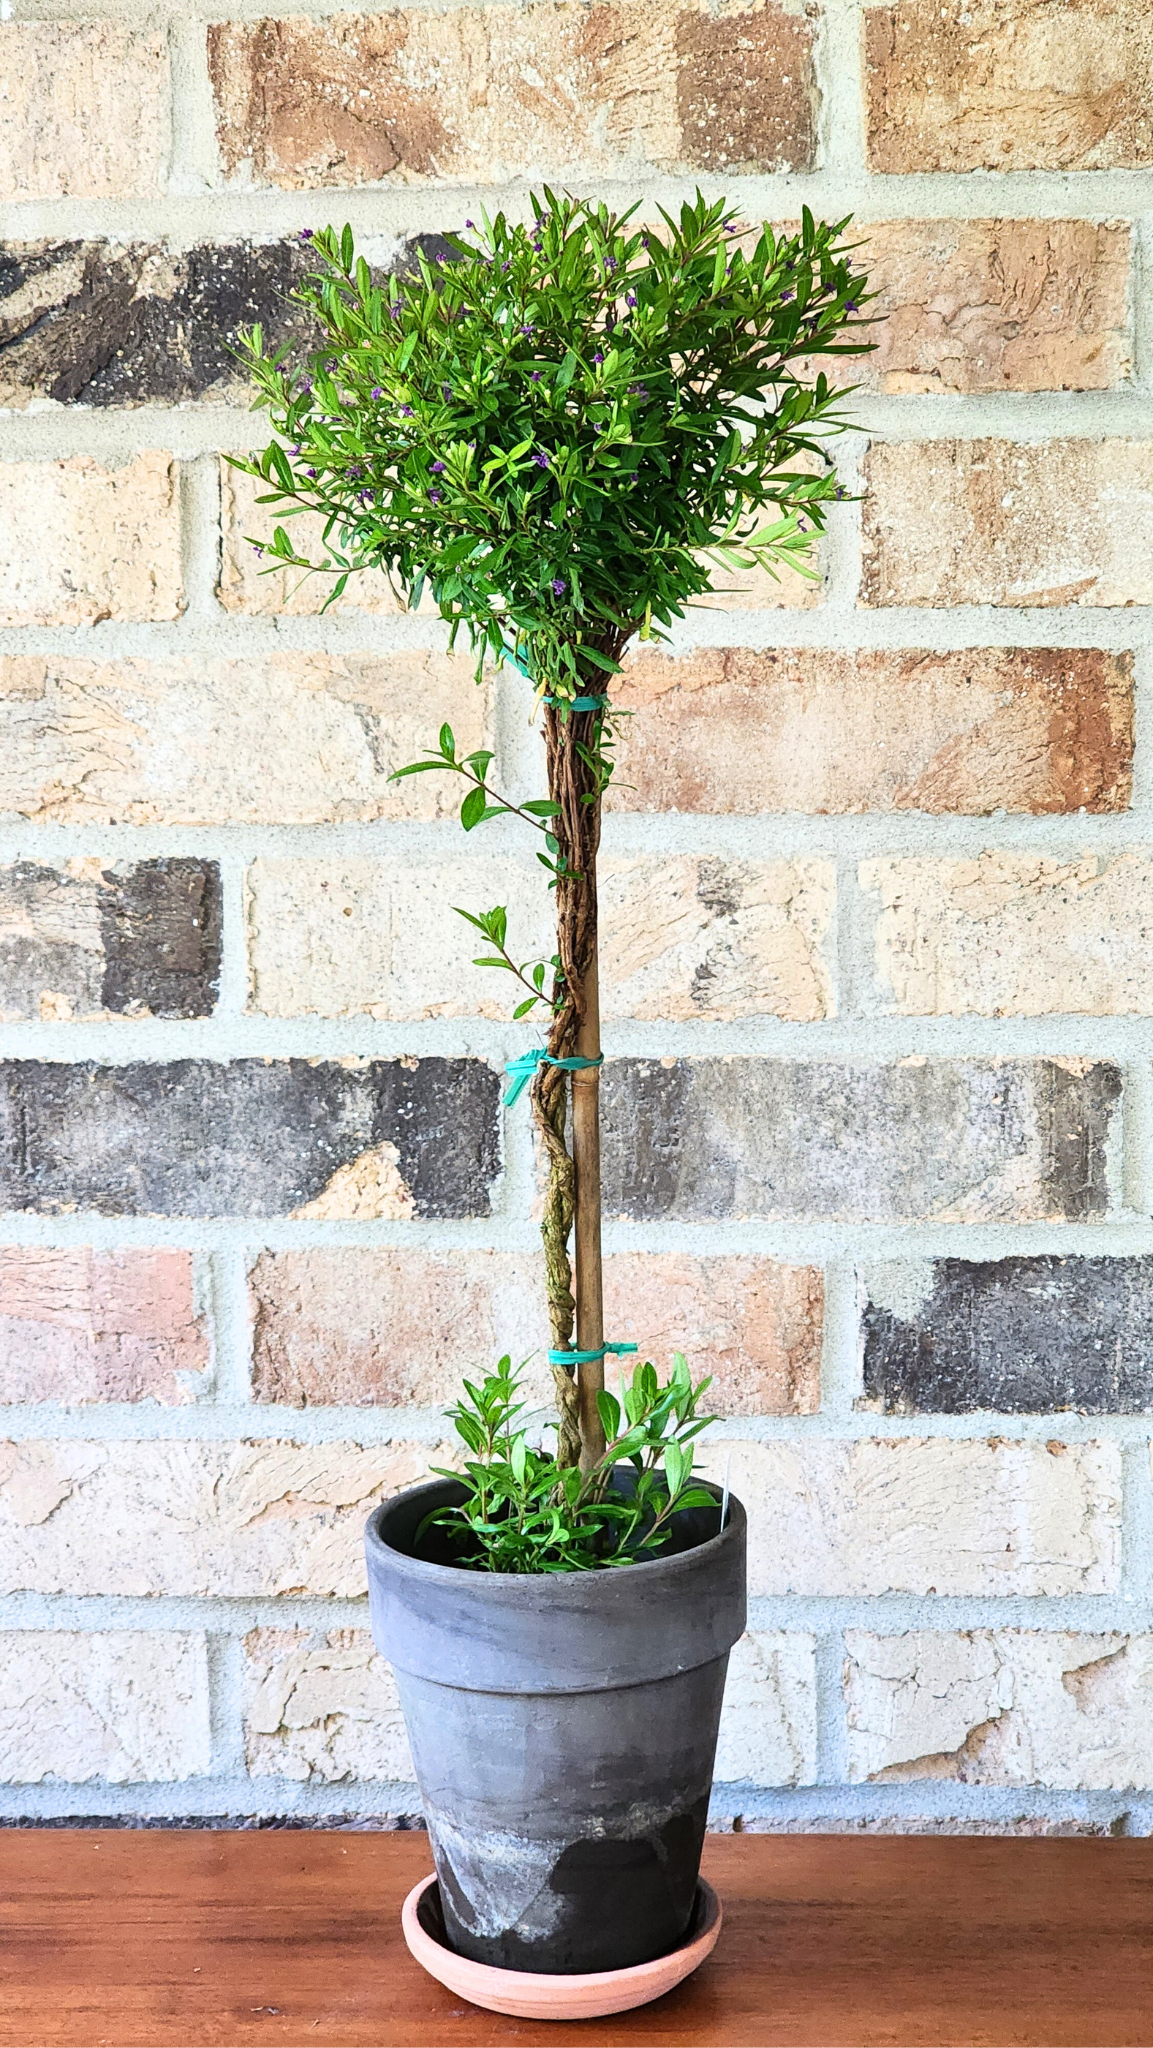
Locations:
78 1324
83 109
769 1720
487 93
322 1707
174 1517
683 937
754 1324
998 305
386 1327
129 1708
927 1515
1009 85
1013 934
80 543
729 729
1001 522
1001 1707
285 739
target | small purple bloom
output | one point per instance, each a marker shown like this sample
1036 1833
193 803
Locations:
257 546
541 459
538 246
729 228
378 392
505 266
306 234
850 305
610 263
470 223
436 468
526 327
534 376
784 296
331 363
294 448
306 383
559 586
631 299
598 358
801 527
638 391
406 411
436 496
839 492
396 312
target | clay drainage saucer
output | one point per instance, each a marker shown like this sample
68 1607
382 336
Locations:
529 1995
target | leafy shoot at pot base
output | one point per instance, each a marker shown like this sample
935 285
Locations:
523 1512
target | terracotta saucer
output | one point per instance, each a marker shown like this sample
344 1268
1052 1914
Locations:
528 1995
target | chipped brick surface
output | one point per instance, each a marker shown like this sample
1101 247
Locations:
379 1326
1009 85
120 1706
80 543
999 305
1001 1707
732 729
1011 934
89 941
681 937
1019 1335
85 109
484 93
1007 523
255 1137
322 1708
241 1520
282 738
79 1325
1001 1140
769 1719
963 1517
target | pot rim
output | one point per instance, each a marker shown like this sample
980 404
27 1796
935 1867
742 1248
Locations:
421 1568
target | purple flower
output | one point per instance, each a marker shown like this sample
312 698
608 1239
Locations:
256 544
534 376
599 357
784 296
436 467
850 305
396 312
310 472
436 496
729 228
631 299
559 586
610 264
378 392
294 448
538 246
527 327
406 411
801 527
839 492
638 391
364 497
541 459
306 383
306 234
470 223
505 266
331 363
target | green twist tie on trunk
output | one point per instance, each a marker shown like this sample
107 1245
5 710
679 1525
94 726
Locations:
524 1067
580 703
586 1357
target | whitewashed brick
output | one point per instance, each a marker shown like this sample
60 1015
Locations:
322 1707
130 1708
769 1721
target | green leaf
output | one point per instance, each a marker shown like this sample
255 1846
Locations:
472 809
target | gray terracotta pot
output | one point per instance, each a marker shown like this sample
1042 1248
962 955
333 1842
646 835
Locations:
563 1730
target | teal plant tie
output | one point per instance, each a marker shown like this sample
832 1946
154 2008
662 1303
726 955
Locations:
580 703
525 1065
586 1357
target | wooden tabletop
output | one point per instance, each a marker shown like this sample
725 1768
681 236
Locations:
113 1938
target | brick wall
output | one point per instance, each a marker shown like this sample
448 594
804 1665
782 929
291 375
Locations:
879 948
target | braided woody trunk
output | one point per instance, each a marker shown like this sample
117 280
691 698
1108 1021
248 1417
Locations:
574 1179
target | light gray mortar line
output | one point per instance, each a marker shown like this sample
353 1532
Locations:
885 1614
931 1798
1137 1524
1142 796
193 168
879 1041
749 836
228 1420
1141 301
1137 1157
892 627
115 436
840 1366
838 55
232 994
264 213
210 1796
829 1657
225 1681
232 1337
200 502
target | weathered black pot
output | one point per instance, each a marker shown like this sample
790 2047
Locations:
563 1730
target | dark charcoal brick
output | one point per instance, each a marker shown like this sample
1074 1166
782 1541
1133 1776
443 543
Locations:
99 323
1020 1336
248 1138
78 940
950 1140
162 938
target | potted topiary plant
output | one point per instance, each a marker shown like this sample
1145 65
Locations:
560 432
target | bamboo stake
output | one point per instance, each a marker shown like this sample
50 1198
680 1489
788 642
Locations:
586 1136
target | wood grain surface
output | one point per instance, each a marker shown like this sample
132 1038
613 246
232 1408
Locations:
115 1938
